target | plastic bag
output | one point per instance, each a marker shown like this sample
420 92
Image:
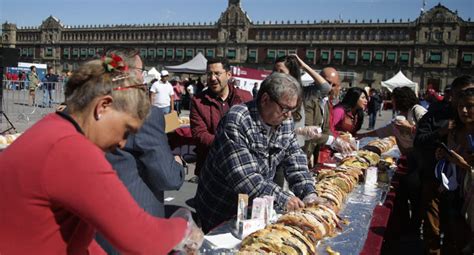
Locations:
194 236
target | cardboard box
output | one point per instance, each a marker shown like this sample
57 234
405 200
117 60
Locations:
171 122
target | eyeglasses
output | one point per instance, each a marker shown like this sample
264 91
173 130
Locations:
283 109
142 86
217 74
142 69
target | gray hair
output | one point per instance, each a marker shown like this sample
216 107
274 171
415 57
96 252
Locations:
91 80
277 85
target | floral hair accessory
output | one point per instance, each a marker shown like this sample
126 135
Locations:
114 63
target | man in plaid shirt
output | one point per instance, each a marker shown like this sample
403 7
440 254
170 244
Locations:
252 141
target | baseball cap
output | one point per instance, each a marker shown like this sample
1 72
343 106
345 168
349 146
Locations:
164 73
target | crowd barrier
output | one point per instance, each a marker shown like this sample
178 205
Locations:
18 106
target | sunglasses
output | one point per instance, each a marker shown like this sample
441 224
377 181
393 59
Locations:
142 86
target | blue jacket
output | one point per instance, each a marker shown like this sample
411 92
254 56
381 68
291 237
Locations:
147 167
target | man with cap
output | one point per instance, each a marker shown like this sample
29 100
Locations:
162 93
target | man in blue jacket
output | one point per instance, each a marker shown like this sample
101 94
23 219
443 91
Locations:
145 165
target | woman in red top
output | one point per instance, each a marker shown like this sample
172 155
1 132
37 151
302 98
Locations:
57 188
348 115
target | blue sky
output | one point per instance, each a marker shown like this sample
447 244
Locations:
91 12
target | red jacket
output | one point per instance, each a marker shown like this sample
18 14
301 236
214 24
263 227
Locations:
206 112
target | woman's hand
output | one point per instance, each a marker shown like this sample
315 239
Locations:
403 125
460 161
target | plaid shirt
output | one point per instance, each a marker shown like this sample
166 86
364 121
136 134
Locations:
244 159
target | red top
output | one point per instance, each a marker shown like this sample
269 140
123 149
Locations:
343 121
56 188
206 112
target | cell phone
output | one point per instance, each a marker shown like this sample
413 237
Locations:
445 148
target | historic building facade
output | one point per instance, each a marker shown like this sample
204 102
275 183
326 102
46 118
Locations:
433 49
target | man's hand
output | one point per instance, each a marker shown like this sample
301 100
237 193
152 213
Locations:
293 204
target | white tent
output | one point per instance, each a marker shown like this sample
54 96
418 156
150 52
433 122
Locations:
152 74
197 65
399 80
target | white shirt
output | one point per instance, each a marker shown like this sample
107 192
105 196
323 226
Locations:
162 94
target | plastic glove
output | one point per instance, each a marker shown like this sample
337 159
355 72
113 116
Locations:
342 146
309 132
194 236
312 198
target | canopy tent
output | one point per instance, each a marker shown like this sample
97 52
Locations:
400 80
197 65
152 74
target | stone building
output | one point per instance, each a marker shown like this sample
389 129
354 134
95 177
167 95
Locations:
433 49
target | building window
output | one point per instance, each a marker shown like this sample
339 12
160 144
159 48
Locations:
404 57
379 56
435 57
210 53
152 53
66 53
24 52
189 53
91 52
200 51
169 53
391 56
252 57
281 53
48 52
351 55
99 51
291 52
271 55
325 55
366 56
143 53
338 55
467 58
179 53
231 53
439 35
160 53
75 53
83 52
310 56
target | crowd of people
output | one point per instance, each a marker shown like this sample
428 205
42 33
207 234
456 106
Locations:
99 166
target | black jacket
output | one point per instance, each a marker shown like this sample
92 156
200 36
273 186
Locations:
427 136
374 104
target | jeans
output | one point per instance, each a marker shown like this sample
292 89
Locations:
177 106
47 97
372 119
166 109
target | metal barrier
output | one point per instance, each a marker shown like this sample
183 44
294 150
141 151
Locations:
18 105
